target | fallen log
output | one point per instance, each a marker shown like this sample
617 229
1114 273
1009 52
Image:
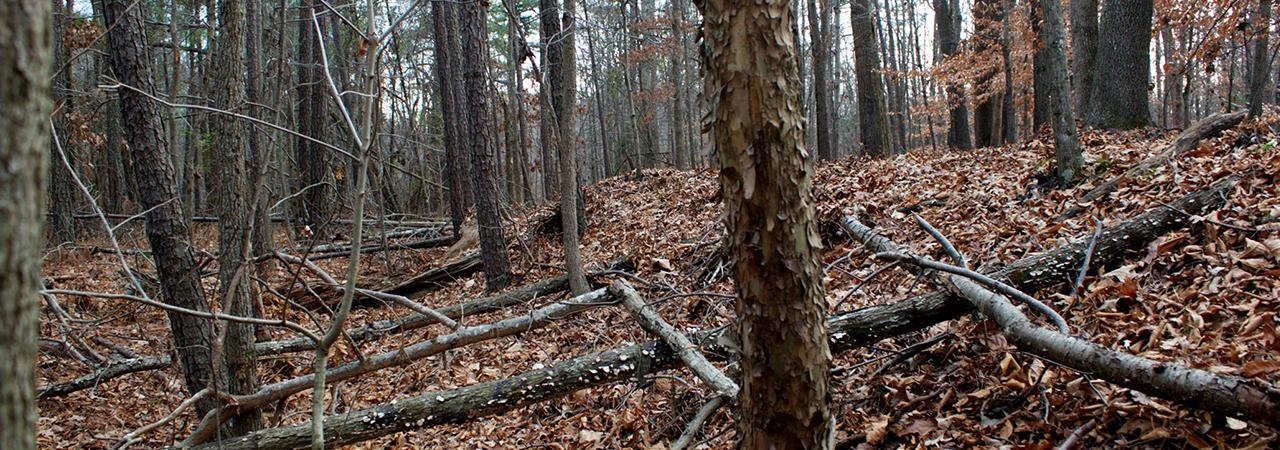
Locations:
371 248
358 335
382 328
1186 141
432 233
110 371
1174 382
846 331
465 336
427 281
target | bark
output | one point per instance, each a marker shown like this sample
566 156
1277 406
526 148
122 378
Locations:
1186 141
820 50
848 331
1259 67
167 230
62 187
566 118
493 242
549 23
25 65
1124 41
233 206
316 206
959 136
453 107
338 252
653 322
871 104
1174 106
1084 47
988 111
766 177
679 122
1053 44
104 374
1010 123
258 156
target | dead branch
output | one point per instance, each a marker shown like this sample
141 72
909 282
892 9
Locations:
468 335
113 370
132 437
1186 141
653 323
691 431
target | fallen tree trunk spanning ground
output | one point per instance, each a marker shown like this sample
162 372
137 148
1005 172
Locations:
112 370
1174 382
358 335
465 336
1186 141
425 282
847 331
371 248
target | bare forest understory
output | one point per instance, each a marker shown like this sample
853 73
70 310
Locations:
1202 291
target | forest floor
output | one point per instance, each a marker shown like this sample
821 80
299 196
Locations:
1206 296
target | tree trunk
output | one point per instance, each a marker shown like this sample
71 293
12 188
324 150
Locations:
959 136
258 156
453 107
1124 43
1084 47
1053 44
25 63
493 242
820 49
1010 132
62 188
233 206
871 105
566 116
758 129
1259 70
167 230
549 23
1173 76
317 205
987 113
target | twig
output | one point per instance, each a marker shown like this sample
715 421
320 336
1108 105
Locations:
132 437
178 309
946 245
653 323
1088 255
1002 287
910 351
691 431
1075 436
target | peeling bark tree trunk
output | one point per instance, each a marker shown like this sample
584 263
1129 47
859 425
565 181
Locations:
493 242
167 230
25 62
231 200
758 130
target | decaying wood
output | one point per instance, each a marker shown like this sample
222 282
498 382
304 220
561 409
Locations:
1186 141
846 331
344 250
1175 382
688 353
415 321
113 370
425 282
465 336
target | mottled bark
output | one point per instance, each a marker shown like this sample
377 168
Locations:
25 65
1124 41
1084 47
493 242
871 106
231 201
168 232
1053 48
766 175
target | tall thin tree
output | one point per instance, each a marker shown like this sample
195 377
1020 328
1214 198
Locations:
872 119
1053 43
